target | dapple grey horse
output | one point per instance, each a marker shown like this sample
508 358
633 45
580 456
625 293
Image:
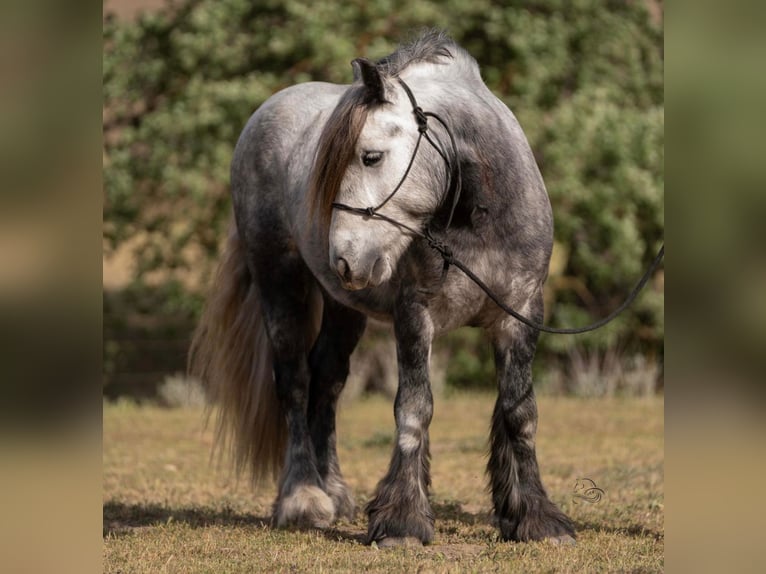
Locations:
308 260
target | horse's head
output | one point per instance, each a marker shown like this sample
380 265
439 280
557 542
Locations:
363 155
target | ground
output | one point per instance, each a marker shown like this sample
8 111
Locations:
168 509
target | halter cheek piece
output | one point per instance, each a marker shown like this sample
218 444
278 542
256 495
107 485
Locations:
453 170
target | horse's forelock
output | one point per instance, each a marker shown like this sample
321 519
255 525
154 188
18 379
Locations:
335 151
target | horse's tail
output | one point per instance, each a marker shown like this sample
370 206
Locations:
232 356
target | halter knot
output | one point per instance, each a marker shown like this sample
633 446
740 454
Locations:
421 118
369 211
438 245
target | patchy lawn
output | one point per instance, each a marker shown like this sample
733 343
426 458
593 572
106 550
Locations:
167 509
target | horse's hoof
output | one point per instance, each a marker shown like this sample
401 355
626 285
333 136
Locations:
305 507
400 541
341 498
564 540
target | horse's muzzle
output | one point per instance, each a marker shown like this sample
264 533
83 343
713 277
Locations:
343 269
360 274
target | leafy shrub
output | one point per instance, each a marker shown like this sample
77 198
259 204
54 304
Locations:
584 78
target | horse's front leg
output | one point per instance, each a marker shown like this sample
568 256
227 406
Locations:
400 511
522 508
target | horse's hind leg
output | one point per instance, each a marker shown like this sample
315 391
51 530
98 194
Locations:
521 504
288 302
329 361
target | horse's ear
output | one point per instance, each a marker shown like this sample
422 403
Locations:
366 70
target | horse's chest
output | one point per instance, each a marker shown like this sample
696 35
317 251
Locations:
461 302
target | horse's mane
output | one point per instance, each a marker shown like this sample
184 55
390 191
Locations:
431 46
341 132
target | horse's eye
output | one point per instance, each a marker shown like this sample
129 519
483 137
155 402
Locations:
371 157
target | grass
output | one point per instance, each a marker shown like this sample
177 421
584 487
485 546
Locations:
166 509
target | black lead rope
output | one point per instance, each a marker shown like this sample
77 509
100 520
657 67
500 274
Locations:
565 331
421 117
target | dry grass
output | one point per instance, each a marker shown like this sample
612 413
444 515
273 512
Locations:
167 510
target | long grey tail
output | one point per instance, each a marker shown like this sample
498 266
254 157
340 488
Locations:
231 354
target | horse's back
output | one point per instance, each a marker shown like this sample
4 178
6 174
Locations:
274 152
278 128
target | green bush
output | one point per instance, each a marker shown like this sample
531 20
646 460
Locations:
585 79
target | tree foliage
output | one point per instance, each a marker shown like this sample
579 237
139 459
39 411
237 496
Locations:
584 77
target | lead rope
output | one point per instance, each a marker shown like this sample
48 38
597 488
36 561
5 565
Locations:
421 117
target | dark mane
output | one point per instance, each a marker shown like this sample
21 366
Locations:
430 46
341 132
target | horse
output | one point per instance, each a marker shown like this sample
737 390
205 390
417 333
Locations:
443 162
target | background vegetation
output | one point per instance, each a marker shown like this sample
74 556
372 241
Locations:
585 79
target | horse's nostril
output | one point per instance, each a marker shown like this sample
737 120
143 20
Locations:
343 269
